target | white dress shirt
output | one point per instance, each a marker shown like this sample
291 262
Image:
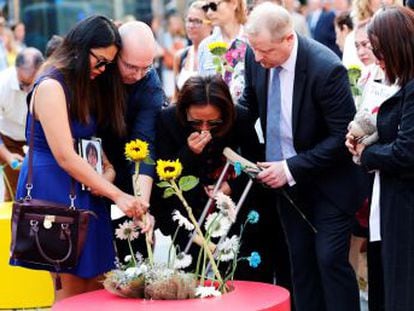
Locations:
13 108
287 79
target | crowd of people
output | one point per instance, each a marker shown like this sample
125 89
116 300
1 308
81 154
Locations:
283 101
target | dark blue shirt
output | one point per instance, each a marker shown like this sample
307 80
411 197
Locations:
144 102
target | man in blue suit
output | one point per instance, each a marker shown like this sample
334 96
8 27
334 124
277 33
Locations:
300 91
145 98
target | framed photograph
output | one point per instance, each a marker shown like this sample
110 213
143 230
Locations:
91 151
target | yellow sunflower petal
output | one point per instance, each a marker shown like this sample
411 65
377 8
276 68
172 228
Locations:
168 170
136 150
218 48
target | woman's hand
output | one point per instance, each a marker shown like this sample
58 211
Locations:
132 206
353 146
147 223
197 141
351 143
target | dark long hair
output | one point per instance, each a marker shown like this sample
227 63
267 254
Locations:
391 33
104 96
203 91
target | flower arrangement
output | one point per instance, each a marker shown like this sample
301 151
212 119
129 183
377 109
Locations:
138 277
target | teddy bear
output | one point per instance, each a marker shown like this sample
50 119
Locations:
364 129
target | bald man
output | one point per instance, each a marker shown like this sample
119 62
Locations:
144 102
15 83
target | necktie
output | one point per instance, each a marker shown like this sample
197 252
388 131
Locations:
273 146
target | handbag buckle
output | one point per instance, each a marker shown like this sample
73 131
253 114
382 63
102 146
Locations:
72 198
48 221
29 188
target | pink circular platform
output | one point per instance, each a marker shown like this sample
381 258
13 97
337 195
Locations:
245 296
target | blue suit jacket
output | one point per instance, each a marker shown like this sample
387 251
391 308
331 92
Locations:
324 31
144 102
322 109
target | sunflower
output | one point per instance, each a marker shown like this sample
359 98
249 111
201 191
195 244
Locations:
218 48
168 170
136 150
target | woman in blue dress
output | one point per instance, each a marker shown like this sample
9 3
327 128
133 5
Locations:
78 89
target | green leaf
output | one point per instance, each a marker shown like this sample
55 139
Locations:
149 161
163 184
187 183
168 192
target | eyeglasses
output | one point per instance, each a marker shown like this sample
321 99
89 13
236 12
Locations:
199 123
211 5
144 70
196 22
99 61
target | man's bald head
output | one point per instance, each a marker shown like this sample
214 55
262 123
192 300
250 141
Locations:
28 62
138 50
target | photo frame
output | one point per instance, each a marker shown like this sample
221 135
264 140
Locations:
91 151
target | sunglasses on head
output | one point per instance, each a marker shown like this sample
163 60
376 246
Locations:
211 5
100 62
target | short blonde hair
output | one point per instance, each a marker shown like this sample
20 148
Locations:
271 17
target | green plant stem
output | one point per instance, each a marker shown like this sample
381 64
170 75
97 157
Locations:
137 192
132 252
179 193
200 253
203 270
148 243
171 246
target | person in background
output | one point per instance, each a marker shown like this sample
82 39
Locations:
300 91
15 83
76 88
19 33
172 41
54 42
321 21
10 45
392 156
144 100
197 27
299 21
343 26
228 17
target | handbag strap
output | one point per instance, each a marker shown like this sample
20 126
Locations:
29 183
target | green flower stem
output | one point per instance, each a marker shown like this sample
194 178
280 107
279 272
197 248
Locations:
179 194
200 253
132 251
137 192
171 246
148 243
203 270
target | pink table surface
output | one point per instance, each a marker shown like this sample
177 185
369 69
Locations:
245 296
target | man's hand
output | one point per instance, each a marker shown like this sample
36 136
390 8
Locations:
273 174
197 141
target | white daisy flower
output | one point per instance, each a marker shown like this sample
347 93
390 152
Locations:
182 261
226 205
182 221
217 225
133 272
126 230
127 258
228 248
206 291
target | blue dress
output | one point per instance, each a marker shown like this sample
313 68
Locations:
52 183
